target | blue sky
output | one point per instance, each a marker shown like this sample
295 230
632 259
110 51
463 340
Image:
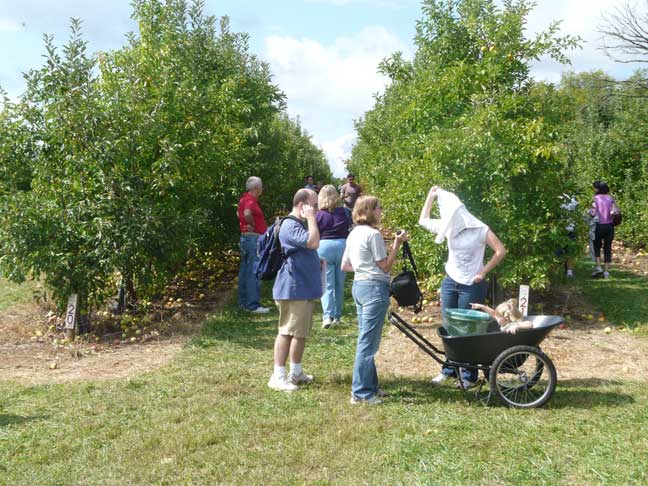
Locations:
323 53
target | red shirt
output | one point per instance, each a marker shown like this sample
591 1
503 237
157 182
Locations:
248 201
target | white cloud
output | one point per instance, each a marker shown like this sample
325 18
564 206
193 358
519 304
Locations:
328 86
581 19
342 75
338 151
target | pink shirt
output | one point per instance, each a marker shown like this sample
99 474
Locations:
601 207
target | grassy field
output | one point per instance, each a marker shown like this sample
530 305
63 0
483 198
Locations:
623 298
209 418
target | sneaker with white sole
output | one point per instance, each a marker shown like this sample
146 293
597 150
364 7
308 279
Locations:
369 401
467 385
326 323
597 272
439 379
606 274
300 379
281 383
260 310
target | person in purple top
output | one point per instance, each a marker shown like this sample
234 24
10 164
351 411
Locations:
334 225
604 233
296 288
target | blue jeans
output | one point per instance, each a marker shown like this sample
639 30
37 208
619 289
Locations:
459 296
249 286
331 251
372 301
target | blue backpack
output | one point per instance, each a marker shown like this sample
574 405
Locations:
269 250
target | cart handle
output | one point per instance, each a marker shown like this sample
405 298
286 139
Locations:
416 337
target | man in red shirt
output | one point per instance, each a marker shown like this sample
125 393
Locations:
252 224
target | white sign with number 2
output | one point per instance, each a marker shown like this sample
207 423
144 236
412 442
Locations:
523 300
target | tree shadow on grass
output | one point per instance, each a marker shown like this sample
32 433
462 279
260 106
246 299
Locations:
241 328
569 394
8 419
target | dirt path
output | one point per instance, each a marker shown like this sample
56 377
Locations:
582 350
28 355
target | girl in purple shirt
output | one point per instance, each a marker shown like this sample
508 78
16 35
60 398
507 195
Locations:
334 226
604 232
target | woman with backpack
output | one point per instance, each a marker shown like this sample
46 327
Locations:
603 208
334 224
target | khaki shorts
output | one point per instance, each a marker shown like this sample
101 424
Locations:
296 317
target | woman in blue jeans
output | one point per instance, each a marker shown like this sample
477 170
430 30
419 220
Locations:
366 256
465 280
334 225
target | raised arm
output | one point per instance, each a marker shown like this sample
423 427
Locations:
313 230
427 207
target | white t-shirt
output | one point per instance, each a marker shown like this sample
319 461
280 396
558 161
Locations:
465 252
364 247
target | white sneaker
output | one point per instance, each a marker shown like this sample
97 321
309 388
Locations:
281 383
570 273
606 274
440 378
301 379
260 310
369 401
326 323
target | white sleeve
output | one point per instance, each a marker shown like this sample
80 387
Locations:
377 246
432 225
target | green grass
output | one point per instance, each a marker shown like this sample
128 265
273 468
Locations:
623 298
209 418
12 294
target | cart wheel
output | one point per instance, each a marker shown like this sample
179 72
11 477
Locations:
523 377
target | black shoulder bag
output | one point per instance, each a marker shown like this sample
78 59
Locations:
404 286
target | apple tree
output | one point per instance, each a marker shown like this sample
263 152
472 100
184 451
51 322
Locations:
465 115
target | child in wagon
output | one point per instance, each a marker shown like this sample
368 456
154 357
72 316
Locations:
507 315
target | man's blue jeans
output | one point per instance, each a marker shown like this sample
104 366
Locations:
459 296
372 301
249 286
331 251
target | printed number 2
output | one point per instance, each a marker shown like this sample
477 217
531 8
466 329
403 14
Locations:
70 314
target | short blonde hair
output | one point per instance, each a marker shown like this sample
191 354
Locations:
364 210
328 197
509 309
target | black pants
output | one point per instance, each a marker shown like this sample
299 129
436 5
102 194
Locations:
603 235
